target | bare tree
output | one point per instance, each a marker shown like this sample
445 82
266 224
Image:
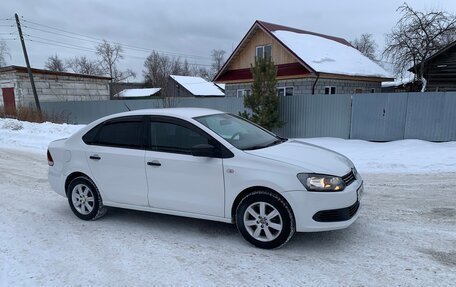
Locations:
54 63
203 73
158 68
366 45
4 53
416 36
110 55
217 60
186 70
83 65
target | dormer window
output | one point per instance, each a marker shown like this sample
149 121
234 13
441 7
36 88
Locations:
264 51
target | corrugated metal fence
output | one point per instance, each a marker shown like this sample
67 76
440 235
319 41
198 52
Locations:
375 117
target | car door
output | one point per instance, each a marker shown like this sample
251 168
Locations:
116 157
178 180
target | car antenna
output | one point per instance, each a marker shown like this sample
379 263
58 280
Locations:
128 108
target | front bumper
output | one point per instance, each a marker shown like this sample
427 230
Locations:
340 205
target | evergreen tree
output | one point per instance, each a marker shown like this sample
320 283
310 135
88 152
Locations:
263 100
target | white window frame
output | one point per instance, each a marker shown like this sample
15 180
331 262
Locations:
285 91
330 88
262 47
244 92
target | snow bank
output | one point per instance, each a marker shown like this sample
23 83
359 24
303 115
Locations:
404 156
20 134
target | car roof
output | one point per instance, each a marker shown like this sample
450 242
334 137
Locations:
176 112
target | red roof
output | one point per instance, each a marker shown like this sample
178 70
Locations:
274 27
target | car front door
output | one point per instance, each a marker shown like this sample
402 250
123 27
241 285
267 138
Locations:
116 157
178 180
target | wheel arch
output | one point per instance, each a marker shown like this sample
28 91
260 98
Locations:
72 176
249 190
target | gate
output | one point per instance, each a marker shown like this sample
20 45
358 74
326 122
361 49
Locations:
378 117
9 102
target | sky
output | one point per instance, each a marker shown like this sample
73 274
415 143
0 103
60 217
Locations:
186 29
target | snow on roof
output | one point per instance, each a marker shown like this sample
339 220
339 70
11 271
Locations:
198 86
221 86
132 93
328 56
406 79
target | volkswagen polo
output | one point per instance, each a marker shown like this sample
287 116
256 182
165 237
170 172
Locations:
205 164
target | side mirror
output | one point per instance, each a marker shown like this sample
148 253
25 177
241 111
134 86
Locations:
205 150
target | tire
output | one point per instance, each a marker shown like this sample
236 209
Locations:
84 199
265 220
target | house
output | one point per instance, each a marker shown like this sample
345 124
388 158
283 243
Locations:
16 89
186 86
440 70
307 63
128 94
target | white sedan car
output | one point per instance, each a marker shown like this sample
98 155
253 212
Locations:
205 164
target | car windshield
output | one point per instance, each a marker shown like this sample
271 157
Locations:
239 132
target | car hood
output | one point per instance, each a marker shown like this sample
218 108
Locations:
310 157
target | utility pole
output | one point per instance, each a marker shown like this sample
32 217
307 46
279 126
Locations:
29 70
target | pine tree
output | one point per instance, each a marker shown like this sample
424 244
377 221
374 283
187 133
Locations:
263 100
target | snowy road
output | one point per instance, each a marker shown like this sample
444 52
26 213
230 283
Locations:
405 236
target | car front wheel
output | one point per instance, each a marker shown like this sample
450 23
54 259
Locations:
265 220
84 199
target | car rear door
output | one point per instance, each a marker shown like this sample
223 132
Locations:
177 180
116 157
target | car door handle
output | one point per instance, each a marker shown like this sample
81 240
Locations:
95 157
154 163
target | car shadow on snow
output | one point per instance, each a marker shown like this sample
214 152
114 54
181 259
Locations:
169 224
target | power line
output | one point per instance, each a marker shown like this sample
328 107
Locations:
58 45
60 34
62 43
133 47
51 42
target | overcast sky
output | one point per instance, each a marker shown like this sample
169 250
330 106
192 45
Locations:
187 28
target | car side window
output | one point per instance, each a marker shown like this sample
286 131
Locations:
123 133
174 138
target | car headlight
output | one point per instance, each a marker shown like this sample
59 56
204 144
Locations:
321 182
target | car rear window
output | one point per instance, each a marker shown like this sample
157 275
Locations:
124 133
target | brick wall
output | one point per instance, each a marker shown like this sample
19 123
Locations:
51 88
304 86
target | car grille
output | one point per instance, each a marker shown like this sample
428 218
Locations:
335 215
349 178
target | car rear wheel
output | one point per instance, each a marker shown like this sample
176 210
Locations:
84 199
265 219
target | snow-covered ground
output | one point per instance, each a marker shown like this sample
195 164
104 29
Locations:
405 156
405 235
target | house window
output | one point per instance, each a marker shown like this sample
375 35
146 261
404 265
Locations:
330 90
358 91
263 51
285 91
242 92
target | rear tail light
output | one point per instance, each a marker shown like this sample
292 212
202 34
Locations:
50 160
